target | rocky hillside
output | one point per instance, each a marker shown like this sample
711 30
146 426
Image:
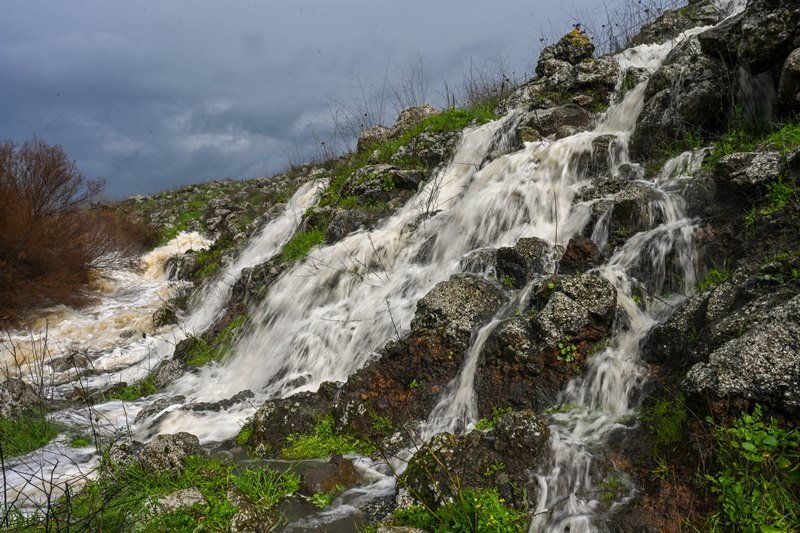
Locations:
664 331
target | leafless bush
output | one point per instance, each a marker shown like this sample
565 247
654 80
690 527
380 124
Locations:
411 86
614 28
51 239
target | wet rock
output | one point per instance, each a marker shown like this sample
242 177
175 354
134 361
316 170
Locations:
330 477
428 149
17 397
547 121
482 261
75 360
699 193
672 23
455 307
631 212
277 419
165 316
221 405
768 32
595 294
504 458
519 264
789 85
762 365
687 93
158 406
254 283
346 221
672 341
581 255
398 529
571 48
122 451
181 266
166 372
597 162
379 183
167 452
371 137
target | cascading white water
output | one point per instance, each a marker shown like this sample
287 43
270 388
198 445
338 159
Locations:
130 299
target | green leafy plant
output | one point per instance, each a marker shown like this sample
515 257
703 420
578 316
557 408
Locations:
508 282
490 422
134 391
413 385
567 352
758 477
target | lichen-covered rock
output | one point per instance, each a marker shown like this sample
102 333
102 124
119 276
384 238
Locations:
411 116
429 149
672 23
746 173
372 136
346 221
16 397
327 478
181 266
762 365
180 499
504 458
600 73
547 121
456 307
573 47
519 264
688 92
166 372
167 452
789 85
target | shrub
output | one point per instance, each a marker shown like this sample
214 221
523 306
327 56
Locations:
50 239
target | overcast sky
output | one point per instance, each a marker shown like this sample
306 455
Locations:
155 94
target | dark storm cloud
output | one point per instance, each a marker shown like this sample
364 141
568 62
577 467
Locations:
151 95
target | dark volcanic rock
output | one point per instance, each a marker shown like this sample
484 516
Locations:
789 86
517 265
581 255
504 458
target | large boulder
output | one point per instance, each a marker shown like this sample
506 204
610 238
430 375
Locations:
580 255
747 173
17 397
762 365
410 116
789 85
519 264
572 48
372 136
454 308
672 23
688 92
548 121
429 149
167 452
504 458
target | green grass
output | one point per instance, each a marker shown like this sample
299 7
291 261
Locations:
181 224
783 138
758 478
134 391
324 441
714 277
25 433
204 351
301 243
472 510
124 500
449 120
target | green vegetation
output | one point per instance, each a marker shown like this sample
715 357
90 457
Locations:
205 351
567 352
244 434
472 510
759 475
324 499
783 138
449 120
134 391
79 441
610 487
323 442
666 418
491 422
126 498
714 277
168 233
27 432
301 243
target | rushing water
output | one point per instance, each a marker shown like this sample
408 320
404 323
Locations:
328 315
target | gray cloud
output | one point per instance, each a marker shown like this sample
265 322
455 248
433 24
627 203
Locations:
150 95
